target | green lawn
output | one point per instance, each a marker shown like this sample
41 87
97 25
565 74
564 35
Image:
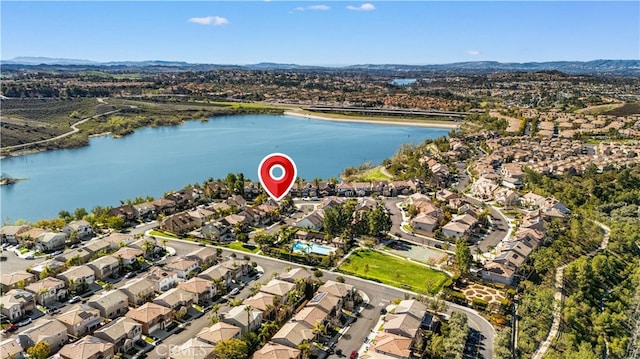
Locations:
243 247
373 174
165 234
394 271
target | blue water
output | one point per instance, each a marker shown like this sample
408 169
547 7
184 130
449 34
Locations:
403 82
153 161
312 248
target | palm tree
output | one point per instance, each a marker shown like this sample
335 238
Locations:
248 309
147 246
305 349
318 329
213 317
478 252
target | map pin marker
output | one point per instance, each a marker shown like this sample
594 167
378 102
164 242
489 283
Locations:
277 186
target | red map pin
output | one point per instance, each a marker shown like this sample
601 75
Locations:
277 186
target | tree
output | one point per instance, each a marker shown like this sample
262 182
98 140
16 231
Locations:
263 240
379 222
80 213
231 349
318 329
305 349
39 351
180 313
147 247
65 216
115 222
248 309
213 317
463 256
242 237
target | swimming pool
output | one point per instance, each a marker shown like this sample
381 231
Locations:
311 248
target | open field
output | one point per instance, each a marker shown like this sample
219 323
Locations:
394 271
424 122
599 110
373 174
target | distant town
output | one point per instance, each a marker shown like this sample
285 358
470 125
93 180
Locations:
515 236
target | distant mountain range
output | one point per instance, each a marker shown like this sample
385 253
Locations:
612 67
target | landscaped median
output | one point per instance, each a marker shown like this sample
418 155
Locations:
394 271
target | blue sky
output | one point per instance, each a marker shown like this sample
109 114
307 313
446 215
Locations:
322 32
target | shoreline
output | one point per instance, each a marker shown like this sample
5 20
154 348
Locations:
373 121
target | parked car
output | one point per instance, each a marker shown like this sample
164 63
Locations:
57 253
354 355
30 256
25 322
75 299
234 291
10 328
130 275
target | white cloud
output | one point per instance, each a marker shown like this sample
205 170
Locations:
473 52
363 7
209 20
313 8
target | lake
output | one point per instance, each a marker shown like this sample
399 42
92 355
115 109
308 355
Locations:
153 161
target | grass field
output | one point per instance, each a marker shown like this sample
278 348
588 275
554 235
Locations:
243 247
394 271
373 174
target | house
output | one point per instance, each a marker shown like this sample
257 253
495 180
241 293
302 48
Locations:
247 322
235 221
117 240
219 332
346 292
430 322
49 242
298 273
201 216
512 183
332 202
238 268
14 280
164 206
391 346
78 275
82 229
310 316
217 272
205 256
49 266
277 351
402 188
506 197
75 256
293 334
404 325
314 220
9 234
411 307
99 247
48 290
499 272
162 279
217 231
29 235
182 267
111 304
216 190
52 332
203 290
278 288
126 212
105 266
145 210
15 303
483 188
237 202
88 347
79 319
122 333
455 229
444 195
534 221
531 199
175 298
179 223
263 302
193 348
11 349
152 317
128 255
138 291
328 303
424 223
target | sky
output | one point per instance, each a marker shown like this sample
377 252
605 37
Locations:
329 33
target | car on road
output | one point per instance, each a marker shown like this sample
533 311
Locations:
25 322
130 275
30 256
234 292
10 328
354 355
258 275
339 352
57 253
75 299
